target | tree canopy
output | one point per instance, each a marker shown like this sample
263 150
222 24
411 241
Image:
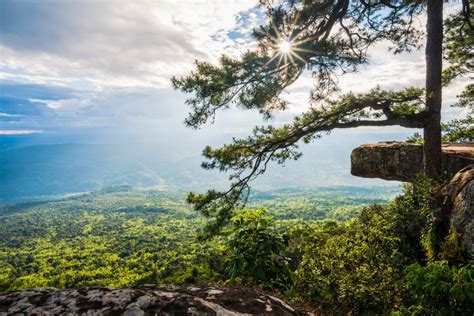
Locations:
327 39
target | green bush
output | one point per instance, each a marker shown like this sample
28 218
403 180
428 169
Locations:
257 251
359 269
438 289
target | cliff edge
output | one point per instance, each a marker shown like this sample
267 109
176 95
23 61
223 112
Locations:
402 161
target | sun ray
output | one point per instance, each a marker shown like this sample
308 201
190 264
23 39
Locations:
286 48
279 60
294 54
304 50
271 60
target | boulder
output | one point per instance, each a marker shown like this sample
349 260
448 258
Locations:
402 161
144 300
460 194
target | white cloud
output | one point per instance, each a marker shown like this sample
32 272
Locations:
19 131
114 43
10 115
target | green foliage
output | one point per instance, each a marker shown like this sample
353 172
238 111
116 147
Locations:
108 238
325 37
329 247
454 131
234 81
415 138
438 289
257 251
458 43
459 130
360 269
453 250
328 204
123 237
422 197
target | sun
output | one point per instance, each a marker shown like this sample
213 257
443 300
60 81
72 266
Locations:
287 50
285 47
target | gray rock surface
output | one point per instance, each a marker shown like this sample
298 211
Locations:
402 161
144 300
460 192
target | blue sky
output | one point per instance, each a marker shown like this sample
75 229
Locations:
99 71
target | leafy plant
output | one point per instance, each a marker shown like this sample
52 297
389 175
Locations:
439 289
257 251
358 267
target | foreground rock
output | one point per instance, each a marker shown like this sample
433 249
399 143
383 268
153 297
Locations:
460 194
402 161
144 300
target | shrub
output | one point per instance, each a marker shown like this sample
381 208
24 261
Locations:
358 271
361 269
257 251
439 289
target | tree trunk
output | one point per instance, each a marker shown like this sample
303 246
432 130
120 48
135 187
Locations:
433 53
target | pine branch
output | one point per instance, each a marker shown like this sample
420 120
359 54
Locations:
248 158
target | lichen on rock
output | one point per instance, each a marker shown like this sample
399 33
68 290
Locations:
144 300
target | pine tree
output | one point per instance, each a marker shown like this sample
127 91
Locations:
328 38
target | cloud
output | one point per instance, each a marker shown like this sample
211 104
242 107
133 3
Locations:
96 65
19 132
10 115
136 43
25 100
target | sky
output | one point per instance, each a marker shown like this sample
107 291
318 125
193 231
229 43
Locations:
99 71
70 67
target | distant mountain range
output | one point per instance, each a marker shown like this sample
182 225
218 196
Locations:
47 170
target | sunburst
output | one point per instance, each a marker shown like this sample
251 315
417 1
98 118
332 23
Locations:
287 49
286 52
285 46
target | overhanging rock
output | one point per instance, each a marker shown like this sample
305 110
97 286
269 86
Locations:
402 161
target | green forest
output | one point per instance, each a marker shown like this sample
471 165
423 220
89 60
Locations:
332 248
123 237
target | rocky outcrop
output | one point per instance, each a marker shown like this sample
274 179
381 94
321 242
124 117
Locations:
402 161
460 194
144 300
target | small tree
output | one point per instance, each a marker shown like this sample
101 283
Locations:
328 38
256 250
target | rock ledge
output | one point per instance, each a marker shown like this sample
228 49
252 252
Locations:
144 300
402 161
